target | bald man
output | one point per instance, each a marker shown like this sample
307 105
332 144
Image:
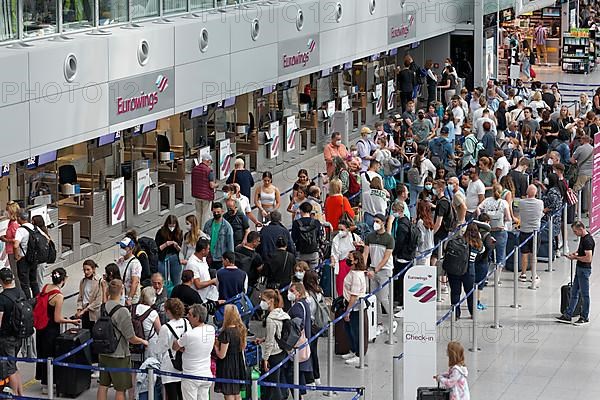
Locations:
531 211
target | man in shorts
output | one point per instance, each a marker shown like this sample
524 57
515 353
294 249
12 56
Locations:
10 344
531 210
121 358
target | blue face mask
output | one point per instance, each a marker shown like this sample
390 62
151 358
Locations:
428 187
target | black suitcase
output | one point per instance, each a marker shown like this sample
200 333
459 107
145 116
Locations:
433 393
565 297
71 382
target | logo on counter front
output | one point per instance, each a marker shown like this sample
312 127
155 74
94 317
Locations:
301 57
143 100
403 30
424 293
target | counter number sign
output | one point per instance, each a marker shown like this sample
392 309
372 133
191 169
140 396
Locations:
5 169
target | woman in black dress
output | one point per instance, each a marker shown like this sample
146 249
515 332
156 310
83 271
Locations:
46 336
229 348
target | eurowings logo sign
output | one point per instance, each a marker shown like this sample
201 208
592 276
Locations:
401 27
301 57
143 100
423 293
297 54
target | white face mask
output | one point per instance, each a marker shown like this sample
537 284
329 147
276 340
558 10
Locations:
338 142
122 252
171 228
546 182
376 226
550 161
343 234
511 146
451 187
264 305
299 275
291 297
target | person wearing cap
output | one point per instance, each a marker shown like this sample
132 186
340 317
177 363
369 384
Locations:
26 271
10 344
270 233
379 246
441 146
334 149
131 271
365 147
423 128
203 187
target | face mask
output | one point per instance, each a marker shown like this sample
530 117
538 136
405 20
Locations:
428 187
338 142
451 187
232 212
216 216
299 275
376 226
421 116
343 234
171 228
392 125
446 65
511 146
396 215
409 141
546 182
435 192
264 305
550 161
122 252
291 297
369 136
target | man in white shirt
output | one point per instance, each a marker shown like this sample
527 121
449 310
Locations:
244 204
475 192
26 271
197 345
131 271
458 115
502 166
486 116
204 284
365 146
481 105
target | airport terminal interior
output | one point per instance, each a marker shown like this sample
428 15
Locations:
432 125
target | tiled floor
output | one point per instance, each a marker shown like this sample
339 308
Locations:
531 357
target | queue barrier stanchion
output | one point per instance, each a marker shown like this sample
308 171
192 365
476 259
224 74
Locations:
255 389
579 205
330 351
391 311
565 232
151 382
452 319
550 244
50 378
396 378
474 348
534 261
361 334
496 324
516 268
296 391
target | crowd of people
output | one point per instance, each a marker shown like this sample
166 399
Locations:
485 169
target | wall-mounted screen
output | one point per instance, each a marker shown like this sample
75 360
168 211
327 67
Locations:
347 66
230 102
199 112
106 139
46 158
268 90
149 126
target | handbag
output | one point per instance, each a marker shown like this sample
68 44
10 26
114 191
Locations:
303 353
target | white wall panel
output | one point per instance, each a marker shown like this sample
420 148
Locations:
363 10
15 76
47 64
201 83
370 36
15 124
332 48
187 38
241 23
288 15
329 17
123 50
250 69
56 121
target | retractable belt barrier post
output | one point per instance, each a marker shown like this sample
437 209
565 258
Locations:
579 205
516 278
391 312
50 378
496 324
565 232
296 391
151 381
474 347
550 244
534 261
361 335
396 379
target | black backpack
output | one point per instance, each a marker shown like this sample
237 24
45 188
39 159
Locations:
38 247
451 218
291 331
308 242
105 340
407 250
21 321
138 327
456 256
148 245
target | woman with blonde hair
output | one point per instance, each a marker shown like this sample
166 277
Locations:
229 348
190 238
499 212
585 106
12 210
456 378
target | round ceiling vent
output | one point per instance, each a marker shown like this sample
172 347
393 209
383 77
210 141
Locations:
143 52
70 67
255 29
338 12
203 40
372 5
300 20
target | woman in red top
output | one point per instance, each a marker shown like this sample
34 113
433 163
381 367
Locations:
12 209
336 204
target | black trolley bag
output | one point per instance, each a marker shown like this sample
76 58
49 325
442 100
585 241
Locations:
433 393
565 297
71 382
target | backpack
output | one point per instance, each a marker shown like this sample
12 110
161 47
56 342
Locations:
322 316
40 311
414 176
308 242
177 361
105 340
353 185
291 330
148 245
496 214
449 220
456 256
478 147
408 248
437 152
21 321
138 327
38 248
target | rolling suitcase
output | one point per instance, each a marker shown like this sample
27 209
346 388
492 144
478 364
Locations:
565 297
71 382
342 343
433 393
372 318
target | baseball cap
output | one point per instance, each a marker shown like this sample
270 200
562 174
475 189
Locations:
365 129
421 111
6 275
444 130
206 157
126 242
380 217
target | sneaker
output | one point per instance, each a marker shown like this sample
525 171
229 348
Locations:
523 278
380 329
348 356
445 289
564 319
95 374
582 321
481 306
44 389
318 382
399 314
353 360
